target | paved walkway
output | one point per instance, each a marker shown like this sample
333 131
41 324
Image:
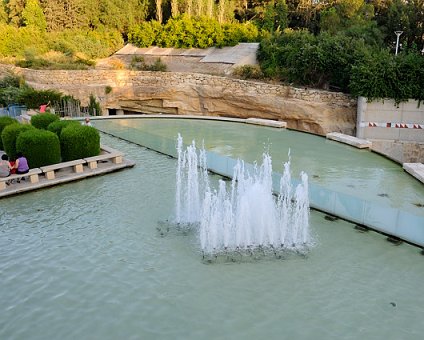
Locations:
243 53
217 61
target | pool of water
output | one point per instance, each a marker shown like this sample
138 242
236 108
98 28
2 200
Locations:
85 260
332 165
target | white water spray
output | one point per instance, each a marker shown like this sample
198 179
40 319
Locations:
246 217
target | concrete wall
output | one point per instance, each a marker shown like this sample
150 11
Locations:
386 120
396 131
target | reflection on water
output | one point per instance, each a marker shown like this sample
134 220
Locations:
85 260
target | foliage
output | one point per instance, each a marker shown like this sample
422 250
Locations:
43 120
33 15
9 136
94 108
383 75
187 32
5 121
40 147
10 81
33 99
145 34
138 63
9 90
248 72
322 61
90 44
58 125
79 142
15 41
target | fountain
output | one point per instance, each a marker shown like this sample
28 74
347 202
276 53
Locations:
84 260
246 217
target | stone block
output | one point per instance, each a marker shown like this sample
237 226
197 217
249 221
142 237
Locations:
350 140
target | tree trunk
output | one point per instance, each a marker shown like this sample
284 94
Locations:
159 10
174 8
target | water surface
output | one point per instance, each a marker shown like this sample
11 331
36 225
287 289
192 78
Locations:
84 260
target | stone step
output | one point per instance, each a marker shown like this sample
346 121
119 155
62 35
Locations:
350 140
266 122
415 169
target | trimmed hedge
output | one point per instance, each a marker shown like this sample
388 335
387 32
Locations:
40 147
9 136
5 121
79 142
58 125
43 120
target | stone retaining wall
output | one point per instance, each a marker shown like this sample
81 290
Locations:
303 109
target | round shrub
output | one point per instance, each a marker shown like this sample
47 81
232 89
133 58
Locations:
40 147
79 141
10 135
5 121
42 120
58 125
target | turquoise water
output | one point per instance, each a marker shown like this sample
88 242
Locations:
85 260
332 165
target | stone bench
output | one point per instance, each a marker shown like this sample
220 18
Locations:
32 174
49 170
116 157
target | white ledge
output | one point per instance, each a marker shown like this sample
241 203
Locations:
346 139
415 169
266 122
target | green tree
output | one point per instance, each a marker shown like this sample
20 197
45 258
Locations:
33 15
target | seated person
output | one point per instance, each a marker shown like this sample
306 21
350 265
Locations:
12 162
86 121
4 166
21 164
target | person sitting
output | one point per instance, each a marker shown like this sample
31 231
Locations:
4 166
12 162
86 121
21 164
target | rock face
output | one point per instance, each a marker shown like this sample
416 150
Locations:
307 110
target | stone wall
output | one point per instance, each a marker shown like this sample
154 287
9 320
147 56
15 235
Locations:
303 109
400 151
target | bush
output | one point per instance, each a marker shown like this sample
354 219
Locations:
58 125
9 136
79 142
94 108
32 99
138 63
5 121
248 72
40 147
187 32
43 120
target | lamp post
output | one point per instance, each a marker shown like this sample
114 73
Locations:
398 34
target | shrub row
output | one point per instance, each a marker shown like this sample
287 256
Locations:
44 145
5 121
188 32
343 63
88 44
